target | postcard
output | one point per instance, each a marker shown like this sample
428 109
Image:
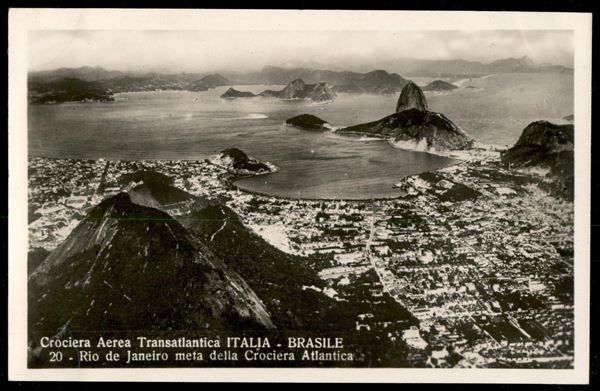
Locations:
321 196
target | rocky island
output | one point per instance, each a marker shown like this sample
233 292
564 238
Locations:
297 89
414 127
232 93
309 122
439 85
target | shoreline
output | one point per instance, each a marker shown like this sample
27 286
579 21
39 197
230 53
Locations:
235 187
450 154
390 142
233 177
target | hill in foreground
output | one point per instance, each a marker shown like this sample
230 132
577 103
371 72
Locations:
546 146
129 268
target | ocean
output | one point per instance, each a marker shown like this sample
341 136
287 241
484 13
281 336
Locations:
194 125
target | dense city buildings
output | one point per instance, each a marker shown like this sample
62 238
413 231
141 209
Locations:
479 255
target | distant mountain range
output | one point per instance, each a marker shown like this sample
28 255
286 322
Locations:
69 89
378 81
319 82
81 73
97 84
447 68
45 86
408 67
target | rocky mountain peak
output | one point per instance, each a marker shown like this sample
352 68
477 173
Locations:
292 89
298 84
411 97
544 144
322 92
414 127
548 146
233 93
547 134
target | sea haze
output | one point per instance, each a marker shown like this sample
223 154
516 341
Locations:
194 125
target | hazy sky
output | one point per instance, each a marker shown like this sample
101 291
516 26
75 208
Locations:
200 51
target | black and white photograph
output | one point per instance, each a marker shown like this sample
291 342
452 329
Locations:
385 194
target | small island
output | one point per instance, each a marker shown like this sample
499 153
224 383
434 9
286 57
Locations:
308 122
439 85
232 93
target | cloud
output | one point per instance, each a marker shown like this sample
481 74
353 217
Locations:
197 51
